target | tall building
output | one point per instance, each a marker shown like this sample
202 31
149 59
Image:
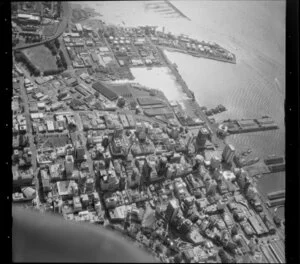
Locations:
69 165
79 152
109 182
172 210
185 227
203 135
228 153
215 162
118 132
134 178
211 187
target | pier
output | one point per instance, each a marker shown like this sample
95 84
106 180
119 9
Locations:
177 10
250 125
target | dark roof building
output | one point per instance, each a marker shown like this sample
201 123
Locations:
71 82
149 101
104 90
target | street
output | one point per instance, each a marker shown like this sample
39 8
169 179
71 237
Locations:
29 132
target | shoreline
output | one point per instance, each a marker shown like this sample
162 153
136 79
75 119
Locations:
196 55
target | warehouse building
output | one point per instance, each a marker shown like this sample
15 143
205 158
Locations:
104 90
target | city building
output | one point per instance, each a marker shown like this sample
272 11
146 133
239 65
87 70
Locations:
228 153
79 152
69 165
215 162
172 210
202 137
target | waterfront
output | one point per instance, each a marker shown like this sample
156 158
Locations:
255 86
159 78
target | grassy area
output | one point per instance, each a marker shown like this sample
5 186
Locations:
41 57
50 30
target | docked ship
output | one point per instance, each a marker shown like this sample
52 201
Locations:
250 125
276 195
276 202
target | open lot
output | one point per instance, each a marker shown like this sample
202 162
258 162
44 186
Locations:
50 30
41 57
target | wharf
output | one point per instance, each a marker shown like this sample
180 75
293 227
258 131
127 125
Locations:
250 125
257 169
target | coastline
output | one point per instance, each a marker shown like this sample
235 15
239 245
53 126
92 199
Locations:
246 83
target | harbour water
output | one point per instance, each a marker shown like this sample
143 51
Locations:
255 86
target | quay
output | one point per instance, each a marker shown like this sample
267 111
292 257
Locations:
250 125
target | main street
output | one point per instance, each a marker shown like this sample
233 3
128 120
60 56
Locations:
83 139
30 135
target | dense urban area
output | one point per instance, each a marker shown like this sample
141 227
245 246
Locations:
121 155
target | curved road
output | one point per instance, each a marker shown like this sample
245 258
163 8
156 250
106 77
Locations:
61 27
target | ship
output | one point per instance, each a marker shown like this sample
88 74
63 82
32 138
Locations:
276 195
219 109
273 159
276 202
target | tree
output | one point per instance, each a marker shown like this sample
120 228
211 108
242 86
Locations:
234 230
121 102
105 142
224 256
230 247
57 43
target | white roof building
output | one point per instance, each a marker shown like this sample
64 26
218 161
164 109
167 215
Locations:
50 125
78 27
37 115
